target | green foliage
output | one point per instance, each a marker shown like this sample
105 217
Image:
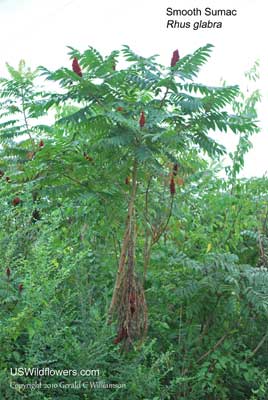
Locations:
206 284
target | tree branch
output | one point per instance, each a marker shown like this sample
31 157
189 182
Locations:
25 119
160 232
216 345
259 345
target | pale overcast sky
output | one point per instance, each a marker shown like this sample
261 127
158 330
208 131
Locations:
39 31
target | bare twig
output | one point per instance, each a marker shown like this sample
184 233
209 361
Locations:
216 345
75 180
160 232
150 241
260 244
25 119
259 345
164 98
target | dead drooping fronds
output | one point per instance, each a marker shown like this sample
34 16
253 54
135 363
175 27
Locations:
130 305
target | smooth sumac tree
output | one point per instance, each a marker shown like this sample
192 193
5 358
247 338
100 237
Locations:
120 135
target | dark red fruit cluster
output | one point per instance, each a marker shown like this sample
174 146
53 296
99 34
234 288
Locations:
142 119
8 273
41 144
20 287
175 169
172 186
16 201
175 58
76 67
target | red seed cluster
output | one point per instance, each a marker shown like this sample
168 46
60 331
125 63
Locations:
20 287
76 67
41 144
172 186
16 201
175 58
175 169
142 119
8 273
